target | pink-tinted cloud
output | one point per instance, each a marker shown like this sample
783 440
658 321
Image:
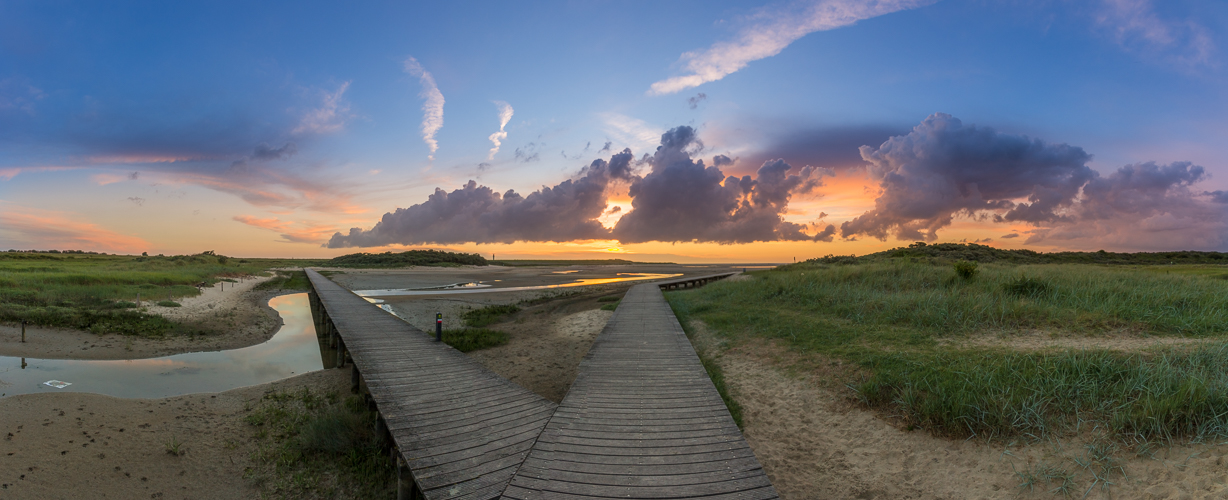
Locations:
56 230
304 232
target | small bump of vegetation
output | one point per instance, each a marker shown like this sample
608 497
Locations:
169 303
488 315
966 270
610 307
473 339
609 298
174 447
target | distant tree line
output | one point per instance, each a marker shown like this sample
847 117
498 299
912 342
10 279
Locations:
408 258
981 253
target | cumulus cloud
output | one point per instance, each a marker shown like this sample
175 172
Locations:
329 117
943 168
479 214
769 36
432 105
505 115
681 199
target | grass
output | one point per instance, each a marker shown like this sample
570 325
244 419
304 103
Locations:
488 315
174 447
472 339
169 303
610 307
287 280
99 292
318 445
887 318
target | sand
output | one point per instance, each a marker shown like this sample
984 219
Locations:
239 316
75 445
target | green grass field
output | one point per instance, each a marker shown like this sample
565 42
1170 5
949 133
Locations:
99 293
900 321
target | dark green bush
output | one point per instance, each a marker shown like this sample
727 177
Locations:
966 270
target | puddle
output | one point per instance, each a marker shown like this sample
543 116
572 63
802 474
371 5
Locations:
293 350
483 288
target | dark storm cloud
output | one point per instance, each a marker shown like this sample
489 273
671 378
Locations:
943 168
681 199
478 214
832 147
721 161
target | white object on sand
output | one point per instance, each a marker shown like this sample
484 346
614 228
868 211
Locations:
57 384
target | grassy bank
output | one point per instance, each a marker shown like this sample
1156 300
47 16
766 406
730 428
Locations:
318 445
99 293
888 316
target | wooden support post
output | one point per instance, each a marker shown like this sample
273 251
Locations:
340 354
405 481
23 331
355 377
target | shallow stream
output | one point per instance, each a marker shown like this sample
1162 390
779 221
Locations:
292 350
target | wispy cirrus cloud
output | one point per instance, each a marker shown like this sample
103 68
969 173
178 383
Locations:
329 117
774 31
505 115
1135 25
43 229
432 105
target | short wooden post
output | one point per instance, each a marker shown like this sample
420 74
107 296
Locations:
438 326
23 332
138 300
405 481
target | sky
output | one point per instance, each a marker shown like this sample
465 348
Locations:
681 131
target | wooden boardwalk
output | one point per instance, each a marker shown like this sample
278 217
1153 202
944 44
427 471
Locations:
642 420
461 430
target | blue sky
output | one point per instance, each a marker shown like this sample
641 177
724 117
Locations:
263 129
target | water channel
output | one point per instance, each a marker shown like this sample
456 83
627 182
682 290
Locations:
293 350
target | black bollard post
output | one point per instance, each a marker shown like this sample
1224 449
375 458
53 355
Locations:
439 327
23 331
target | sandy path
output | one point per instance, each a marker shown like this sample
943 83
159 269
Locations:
237 317
75 445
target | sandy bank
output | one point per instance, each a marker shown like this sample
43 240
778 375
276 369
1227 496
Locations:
75 445
238 316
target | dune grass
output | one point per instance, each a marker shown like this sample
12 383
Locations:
99 292
318 445
488 315
472 339
888 316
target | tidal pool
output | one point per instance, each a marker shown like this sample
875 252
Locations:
482 287
293 350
